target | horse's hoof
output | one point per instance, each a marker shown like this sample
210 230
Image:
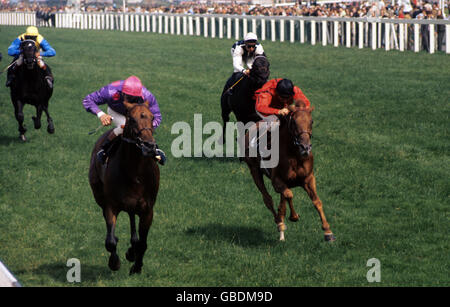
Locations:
37 122
130 255
330 237
294 218
114 263
23 138
50 129
135 269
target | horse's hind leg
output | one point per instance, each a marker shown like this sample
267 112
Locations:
50 126
259 181
310 188
37 118
131 253
145 221
111 239
18 112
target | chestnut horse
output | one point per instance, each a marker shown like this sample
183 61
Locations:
295 168
128 181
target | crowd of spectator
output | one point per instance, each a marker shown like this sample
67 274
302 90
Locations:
410 9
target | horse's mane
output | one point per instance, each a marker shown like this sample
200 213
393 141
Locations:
260 71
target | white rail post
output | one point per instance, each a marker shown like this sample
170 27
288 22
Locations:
313 32
229 28
387 37
131 16
432 39
336 33
254 29
160 24
272 29
213 27
166 24
263 29
374 35
348 37
236 28
220 27
302 31
147 22
416 37
244 26
198 30
154 23
361 35
185 30
379 34
191 25
401 34
143 23
324 32
172 24
205 26
282 34
178 22
447 39
292 31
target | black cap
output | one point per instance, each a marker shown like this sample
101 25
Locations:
285 88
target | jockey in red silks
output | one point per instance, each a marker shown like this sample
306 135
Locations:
130 90
273 98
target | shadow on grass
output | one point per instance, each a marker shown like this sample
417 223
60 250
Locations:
240 235
6 140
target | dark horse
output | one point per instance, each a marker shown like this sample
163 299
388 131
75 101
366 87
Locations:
129 181
239 98
30 87
295 167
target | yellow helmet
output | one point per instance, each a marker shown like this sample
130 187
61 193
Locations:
32 31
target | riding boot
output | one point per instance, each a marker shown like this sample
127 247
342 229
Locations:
105 150
47 72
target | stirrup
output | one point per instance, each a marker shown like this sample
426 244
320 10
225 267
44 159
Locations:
49 81
162 155
101 156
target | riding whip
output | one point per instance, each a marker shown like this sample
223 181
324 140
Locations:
231 87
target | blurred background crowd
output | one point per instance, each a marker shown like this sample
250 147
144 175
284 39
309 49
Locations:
410 9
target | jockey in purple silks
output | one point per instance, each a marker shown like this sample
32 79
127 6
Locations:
114 94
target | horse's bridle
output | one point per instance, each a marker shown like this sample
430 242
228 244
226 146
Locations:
144 146
293 131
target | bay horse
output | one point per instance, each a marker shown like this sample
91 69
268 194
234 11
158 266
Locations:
239 98
129 181
295 168
30 87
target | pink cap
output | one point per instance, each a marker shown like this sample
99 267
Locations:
132 86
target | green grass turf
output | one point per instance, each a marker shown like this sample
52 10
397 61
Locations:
381 143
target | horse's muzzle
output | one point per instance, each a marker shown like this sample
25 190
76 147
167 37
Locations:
304 150
148 149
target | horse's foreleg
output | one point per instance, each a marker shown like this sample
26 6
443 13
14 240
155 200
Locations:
50 126
18 112
111 239
310 188
285 195
131 253
145 221
37 119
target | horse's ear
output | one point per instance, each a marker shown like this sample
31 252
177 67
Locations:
127 105
300 104
311 108
146 103
291 108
